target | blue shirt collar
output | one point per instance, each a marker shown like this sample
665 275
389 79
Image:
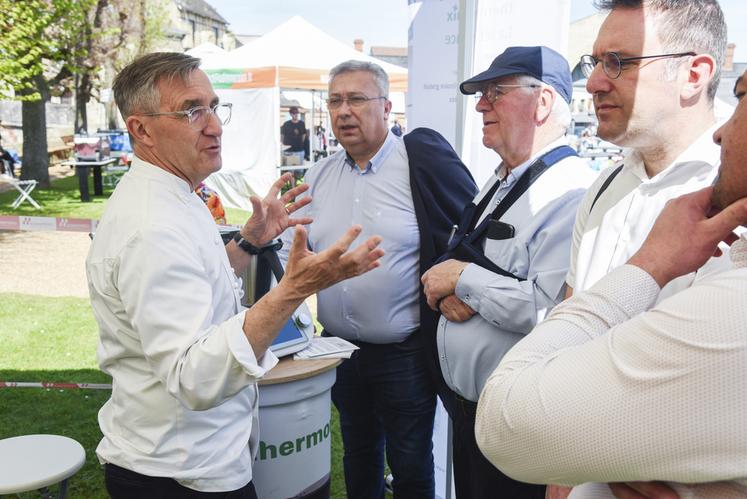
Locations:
517 172
378 159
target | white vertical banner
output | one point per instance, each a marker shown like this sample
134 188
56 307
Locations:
500 24
432 65
440 56
433 78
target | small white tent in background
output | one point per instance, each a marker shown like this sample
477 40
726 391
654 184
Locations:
205 50
295 55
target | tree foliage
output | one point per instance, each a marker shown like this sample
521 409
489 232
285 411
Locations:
38 38
50 46
114 32
38 47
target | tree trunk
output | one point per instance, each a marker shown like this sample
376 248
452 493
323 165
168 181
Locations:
35 165
82 97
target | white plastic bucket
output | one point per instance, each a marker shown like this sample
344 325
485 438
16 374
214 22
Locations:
294 456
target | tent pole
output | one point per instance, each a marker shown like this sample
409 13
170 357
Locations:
310 131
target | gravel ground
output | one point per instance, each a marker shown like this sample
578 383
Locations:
50 263
44 263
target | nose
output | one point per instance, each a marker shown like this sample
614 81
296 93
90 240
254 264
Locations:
483 105
213 127
718 133
343 110
598 81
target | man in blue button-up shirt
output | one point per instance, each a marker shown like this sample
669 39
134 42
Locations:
488 305
392 187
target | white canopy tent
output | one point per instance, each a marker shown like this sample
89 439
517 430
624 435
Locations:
295 55
205 50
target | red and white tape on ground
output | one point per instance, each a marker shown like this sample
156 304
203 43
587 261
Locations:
61 386
11 222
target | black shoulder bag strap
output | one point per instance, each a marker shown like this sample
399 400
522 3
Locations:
467 246
606 184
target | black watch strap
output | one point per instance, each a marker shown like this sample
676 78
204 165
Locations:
256 250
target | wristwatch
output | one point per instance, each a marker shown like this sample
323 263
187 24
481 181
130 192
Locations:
256 250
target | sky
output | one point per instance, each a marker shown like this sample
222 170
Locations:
385 22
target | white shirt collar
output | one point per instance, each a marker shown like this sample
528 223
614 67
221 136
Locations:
703 147
153 172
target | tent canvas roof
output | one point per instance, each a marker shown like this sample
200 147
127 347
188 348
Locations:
205 50
296 54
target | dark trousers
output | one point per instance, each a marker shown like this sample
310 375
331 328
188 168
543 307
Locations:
385 400
5 157
474 476
125 484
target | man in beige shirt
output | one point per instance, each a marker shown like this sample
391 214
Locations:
614 387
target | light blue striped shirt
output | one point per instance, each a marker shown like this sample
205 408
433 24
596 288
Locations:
380 306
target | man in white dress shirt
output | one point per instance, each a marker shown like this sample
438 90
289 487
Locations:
183 355
654 72
617 386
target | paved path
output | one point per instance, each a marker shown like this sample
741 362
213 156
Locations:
50 264
44 263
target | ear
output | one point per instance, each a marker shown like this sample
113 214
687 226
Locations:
699 75
544 104
139 130
387 109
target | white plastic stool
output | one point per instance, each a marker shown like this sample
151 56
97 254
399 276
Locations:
32 462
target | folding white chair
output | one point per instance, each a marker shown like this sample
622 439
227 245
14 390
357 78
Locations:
24 188
113 174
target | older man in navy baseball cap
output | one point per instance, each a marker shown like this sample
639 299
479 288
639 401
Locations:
507 261
542 63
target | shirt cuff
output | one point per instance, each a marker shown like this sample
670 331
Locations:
244 353
472 283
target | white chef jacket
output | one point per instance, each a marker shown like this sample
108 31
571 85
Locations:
184 396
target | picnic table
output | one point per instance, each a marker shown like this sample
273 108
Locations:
81 170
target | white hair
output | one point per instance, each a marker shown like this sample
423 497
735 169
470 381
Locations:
560 114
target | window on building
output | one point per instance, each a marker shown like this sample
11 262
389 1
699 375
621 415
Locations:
193 25
216 32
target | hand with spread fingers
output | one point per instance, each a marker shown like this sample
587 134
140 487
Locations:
307 272
272 214
454 309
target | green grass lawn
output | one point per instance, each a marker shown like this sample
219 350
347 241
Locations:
54 339
63 200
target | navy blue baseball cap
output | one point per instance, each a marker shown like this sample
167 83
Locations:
540 62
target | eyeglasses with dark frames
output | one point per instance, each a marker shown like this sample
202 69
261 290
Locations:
493 91
198 116
356 101
613 64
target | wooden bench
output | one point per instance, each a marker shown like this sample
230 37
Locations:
60 149
59 153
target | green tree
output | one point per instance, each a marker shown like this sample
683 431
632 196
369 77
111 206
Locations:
38 41
48 46
112 34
